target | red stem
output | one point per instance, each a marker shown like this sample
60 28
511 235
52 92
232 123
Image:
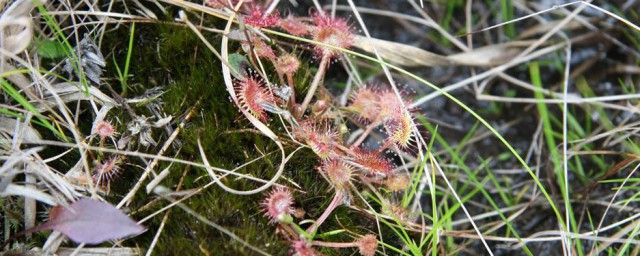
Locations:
337 200
363 135
334 244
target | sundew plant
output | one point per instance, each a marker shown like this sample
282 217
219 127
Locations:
267 127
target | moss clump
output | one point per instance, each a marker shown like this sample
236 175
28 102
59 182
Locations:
175 59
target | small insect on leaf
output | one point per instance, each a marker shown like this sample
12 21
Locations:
92 222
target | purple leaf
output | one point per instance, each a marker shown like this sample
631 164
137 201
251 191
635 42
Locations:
92 222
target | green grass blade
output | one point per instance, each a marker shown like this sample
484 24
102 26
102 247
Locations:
557 159
13 93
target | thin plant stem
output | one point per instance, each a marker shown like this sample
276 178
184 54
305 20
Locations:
292 100
337 200
364 135
315 82
334 244
290 230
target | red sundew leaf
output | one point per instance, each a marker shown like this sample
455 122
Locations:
92 222
257 18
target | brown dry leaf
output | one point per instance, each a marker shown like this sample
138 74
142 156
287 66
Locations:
18 79
488 56
70 92
26 132
545 27
624 69
16 26
401 54
411 56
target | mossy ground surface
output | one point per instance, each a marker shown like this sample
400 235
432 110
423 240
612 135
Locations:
173 58
167 54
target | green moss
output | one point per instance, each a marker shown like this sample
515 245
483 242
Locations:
174 58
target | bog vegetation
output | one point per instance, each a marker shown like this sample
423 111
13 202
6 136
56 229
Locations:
319 127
